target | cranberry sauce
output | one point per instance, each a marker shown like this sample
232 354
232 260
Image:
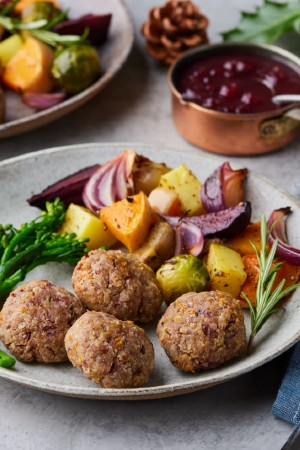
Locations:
237 83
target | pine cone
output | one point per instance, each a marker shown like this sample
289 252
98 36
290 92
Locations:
174 28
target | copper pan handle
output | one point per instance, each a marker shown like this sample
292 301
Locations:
279 126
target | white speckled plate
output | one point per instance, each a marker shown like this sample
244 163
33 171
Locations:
22 176
113 53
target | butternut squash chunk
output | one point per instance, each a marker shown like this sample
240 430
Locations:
288 272
242 241
29 69
22 4
129 220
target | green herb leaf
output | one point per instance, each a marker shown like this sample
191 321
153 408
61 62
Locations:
267 23
40 30
63 15
52 39
31 25
7 23
8 9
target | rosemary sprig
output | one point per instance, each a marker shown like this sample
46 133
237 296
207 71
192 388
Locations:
7 7
266 300
52 39
61 16
40 30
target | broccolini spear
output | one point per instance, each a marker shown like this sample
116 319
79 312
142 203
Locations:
6 361
36 243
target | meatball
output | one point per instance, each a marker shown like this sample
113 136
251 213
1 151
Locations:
118 284
201 331
109 351
35 319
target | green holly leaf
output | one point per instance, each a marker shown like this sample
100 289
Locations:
267 23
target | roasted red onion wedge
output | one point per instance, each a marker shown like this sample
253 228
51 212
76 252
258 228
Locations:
189 239
224 224
41 101
69 189
98 26
223 189
277 229
112 182
125 175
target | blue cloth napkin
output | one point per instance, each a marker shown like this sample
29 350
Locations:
287 403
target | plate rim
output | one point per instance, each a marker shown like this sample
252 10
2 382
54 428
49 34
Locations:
28 123
146 392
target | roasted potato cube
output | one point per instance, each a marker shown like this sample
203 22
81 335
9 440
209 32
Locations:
86 225
226 269
185 184
165 201
9 47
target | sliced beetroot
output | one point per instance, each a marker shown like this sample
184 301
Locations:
226 223
68 189
98 26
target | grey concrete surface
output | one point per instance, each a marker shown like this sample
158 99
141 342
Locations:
235 415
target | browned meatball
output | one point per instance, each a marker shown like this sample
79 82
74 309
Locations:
118 284
35 319
202 331
109 351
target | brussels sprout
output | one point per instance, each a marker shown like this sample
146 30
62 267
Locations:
182 274
76 67
40 11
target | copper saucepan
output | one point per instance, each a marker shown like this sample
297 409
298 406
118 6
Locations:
229 133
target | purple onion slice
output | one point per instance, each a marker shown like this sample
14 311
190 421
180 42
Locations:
189 239
41 101
226 223
223 189
277 228
191 231
223 224
112 182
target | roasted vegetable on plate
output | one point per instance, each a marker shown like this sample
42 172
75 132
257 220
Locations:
157 213
44 55
190 242
36 243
